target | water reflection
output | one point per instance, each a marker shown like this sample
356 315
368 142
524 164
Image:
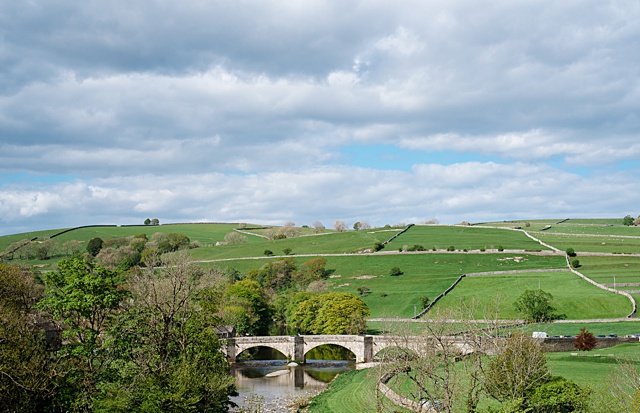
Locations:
269 378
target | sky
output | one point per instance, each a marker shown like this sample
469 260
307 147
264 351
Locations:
277 111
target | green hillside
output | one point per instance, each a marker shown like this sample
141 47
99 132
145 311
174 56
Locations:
488 247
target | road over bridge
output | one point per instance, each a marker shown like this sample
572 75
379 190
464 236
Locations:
364 347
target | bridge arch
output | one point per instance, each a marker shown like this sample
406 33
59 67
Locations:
262 346
312 346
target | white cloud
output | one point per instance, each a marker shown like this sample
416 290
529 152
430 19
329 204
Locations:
468 191
264 96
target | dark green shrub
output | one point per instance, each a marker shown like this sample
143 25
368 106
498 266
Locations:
395 271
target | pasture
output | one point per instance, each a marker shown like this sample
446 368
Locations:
427 273
442 237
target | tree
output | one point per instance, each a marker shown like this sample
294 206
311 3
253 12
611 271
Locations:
340 226
155 221
395 271
147 221
571 252
246 307
517 370
424 300
535 306
575 263
84 297
94 246
26 368
585 340
328 313
318 227
363 290
235 238
627 220
165 352
559 395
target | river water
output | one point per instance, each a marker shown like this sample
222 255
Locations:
266 380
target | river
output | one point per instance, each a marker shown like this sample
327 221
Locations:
264 379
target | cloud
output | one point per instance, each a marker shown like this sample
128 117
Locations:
468 191
265 97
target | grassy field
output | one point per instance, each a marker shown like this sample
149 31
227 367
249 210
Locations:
352 392
464 237
430 273
571 295
592 243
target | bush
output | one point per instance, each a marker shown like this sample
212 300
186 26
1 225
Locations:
268 253
451 248
363 290
575 263
500 248
287 251
571 252
94 246
383 294
395 271
377 246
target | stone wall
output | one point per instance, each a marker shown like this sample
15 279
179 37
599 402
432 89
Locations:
566 344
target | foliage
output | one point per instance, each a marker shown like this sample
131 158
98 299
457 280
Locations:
535 306
517 370
585 340
575 263
424 301
246 307
395 271
268 253
559 395
26 370
571 252
339 226
377 246
164 352
84 296
170 242
328 313
235 238
627 220
94 246
363 290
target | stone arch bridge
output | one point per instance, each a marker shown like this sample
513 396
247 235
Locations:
364 347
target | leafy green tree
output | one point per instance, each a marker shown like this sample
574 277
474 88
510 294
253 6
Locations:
575 263
571 252
519 368
247 308
627 220
329 313
559 395
84 297
26 368
147 221
535 306
165 354
312 270
94 246
424 300
395 271
275 275
172 242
